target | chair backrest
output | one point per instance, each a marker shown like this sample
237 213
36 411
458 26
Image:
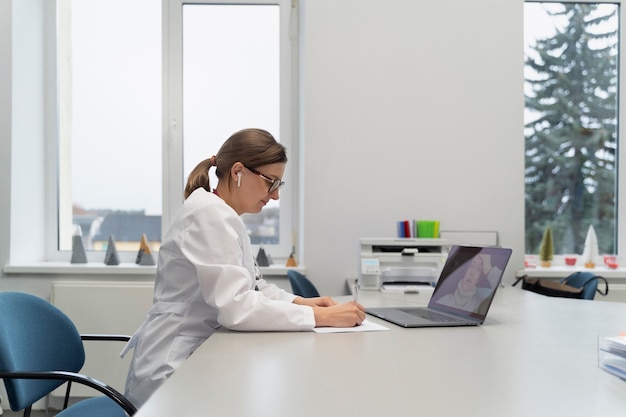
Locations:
578 280
300 285
35 336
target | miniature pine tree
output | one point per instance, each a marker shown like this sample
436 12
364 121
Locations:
291 261
591 250
78 248
546 250
261 258
144 255
111 257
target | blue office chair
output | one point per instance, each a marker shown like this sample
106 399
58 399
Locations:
300 285
40 350
588 281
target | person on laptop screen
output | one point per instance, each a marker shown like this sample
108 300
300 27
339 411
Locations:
476 279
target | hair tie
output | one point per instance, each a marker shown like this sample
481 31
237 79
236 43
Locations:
212 161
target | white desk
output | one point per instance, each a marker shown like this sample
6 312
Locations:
535 356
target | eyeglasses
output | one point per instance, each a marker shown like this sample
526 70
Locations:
274 184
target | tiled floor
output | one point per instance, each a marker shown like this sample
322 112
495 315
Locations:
34 413
52 411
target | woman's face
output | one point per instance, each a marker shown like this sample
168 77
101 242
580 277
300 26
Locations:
472 274
255 188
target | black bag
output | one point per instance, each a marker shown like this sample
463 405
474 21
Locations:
553 288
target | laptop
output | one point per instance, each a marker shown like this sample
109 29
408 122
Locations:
463 294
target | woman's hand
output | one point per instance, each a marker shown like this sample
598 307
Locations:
340 315
315 301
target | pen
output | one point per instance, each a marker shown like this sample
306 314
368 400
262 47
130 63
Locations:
355 294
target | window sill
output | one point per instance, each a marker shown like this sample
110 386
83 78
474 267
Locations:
56 268
64 268
562 271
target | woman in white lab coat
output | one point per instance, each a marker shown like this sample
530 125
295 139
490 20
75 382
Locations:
206 274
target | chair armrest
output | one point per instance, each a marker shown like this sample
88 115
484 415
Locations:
110 337
110 392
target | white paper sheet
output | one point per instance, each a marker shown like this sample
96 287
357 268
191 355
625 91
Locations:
366 326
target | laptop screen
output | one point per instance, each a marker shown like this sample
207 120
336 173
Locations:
469 280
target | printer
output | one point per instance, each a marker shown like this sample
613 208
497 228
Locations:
400 262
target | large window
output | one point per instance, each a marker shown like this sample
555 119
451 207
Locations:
125 71
571 123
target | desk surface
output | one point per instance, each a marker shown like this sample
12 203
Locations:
534 356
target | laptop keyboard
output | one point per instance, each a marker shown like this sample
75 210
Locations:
431 315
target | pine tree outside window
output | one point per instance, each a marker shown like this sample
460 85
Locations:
571 123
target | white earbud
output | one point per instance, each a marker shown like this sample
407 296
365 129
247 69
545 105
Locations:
239 179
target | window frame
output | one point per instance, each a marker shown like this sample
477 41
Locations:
173 114
621 149
171 128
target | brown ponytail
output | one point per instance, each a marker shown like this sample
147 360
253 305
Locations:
199 177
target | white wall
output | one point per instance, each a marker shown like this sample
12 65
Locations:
22 149
28 130
5 128
410 110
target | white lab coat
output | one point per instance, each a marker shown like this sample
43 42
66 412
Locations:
205 279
